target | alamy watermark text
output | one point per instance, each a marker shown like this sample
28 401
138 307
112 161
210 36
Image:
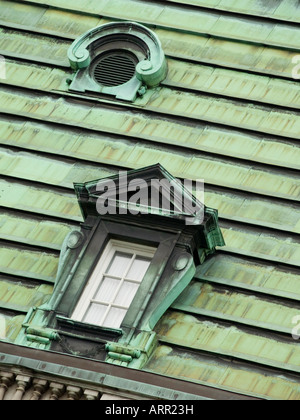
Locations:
2 67
156 196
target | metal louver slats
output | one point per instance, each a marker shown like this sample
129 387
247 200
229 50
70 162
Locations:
115 68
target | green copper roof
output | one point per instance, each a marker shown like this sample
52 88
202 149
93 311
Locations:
186 330
227 112
286 10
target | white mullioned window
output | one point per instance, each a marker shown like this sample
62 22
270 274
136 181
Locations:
113 284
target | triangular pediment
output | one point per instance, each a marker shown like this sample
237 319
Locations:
151 190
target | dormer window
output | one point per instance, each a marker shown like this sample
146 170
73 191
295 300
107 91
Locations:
123 269
120 59
113 284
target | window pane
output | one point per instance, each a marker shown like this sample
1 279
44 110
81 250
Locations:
114 318
94 314
119 264
114 283
107 290
138 268
126 294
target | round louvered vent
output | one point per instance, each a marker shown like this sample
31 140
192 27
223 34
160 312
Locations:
114 68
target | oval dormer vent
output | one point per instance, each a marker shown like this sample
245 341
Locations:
122 59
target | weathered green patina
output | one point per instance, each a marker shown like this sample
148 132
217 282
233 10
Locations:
183 237
150 68
227 112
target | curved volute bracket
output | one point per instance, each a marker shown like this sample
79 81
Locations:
79 56
151 66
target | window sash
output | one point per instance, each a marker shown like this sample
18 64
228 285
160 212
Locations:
91 305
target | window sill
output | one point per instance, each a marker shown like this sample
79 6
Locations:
84 330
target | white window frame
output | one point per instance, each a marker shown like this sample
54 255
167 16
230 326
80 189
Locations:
99 273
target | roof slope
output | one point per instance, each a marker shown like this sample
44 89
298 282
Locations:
228 112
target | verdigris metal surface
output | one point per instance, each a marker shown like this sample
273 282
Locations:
252 275
219 372
187 19
21 295
266 59
228 113
286 10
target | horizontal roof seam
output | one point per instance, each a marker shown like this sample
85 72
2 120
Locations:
36 276
19 214
208 181
199 321
258 257
83 130
232 319
257 104
287 74
66 188
63 206
240 99
60 217
278 297
203 89
190 122
36 242
17 309
258 361
233 12
27 275
265 383
30 60
258 231
213 154
181 28
34 183
108 106
235 226
281 267
52 216
210 188
33 284
35 245
227 67
261 290
206 118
